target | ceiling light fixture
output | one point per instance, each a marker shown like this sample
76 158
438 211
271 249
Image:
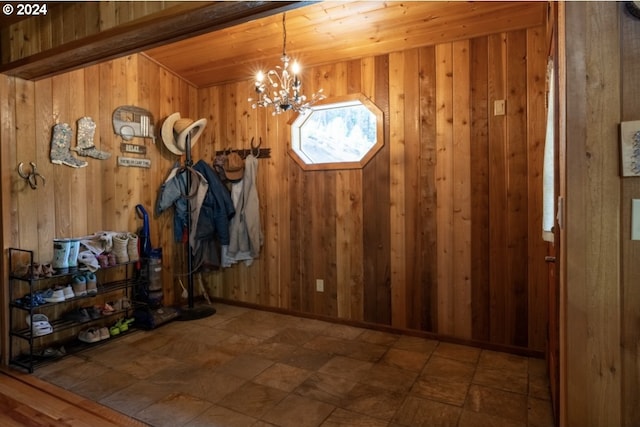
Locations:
284 84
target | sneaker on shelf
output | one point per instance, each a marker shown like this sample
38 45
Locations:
39 324
103 260
68 292
79 285
51 352
80 315
112 259
107 309
92 283
104 333
95 312
90 335
48 270
54 295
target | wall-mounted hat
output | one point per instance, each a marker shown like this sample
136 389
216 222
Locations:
175 130
233 166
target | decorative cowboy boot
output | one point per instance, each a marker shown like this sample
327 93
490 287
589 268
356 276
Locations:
85 146
60 147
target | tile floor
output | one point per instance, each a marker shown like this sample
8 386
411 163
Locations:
244 367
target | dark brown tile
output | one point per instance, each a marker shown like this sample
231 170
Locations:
405 359
219 416
505 361
500 403
502 379
293 336
252 399
390 378
355 349
99 386
418 412
239 343
326 388
540 413
478 419
347 368
445 390
306 359
283 377
378 337
420 345
298 411
211 386
373 401
145 366
174 410
136 397
343 331
457 352
245 366
272 350
447 368
343 418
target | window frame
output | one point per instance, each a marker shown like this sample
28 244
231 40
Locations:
294 133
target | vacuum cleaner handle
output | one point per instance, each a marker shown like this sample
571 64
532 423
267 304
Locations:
145 247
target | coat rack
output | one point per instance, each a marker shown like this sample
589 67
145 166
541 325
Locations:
191 312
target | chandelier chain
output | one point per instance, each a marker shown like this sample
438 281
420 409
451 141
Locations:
284 35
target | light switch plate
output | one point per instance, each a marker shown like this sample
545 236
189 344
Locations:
498 107
635 219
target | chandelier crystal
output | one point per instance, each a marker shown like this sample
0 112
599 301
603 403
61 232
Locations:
279 88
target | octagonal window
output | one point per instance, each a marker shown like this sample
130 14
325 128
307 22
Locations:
338 133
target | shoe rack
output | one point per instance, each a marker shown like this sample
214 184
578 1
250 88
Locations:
34 343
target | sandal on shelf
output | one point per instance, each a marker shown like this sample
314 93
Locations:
123 324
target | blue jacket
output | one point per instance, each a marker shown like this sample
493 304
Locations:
215 211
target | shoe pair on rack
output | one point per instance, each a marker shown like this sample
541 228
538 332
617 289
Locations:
59 294
34 271
93 335
122 325
125 247
39 324
85 284
31 300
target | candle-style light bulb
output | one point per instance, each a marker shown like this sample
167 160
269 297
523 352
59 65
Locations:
295 67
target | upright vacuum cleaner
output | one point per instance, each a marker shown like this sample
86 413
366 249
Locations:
150 311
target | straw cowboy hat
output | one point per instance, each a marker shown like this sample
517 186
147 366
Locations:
175 130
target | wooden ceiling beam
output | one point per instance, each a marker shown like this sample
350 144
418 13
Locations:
185 20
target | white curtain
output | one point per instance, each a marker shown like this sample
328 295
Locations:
548 196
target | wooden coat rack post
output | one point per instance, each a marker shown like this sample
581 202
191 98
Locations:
191 312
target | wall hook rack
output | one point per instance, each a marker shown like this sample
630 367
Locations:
259 153
32 176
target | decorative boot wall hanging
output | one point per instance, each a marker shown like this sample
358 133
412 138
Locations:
85 146
61 147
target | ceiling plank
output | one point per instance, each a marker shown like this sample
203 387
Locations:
326 32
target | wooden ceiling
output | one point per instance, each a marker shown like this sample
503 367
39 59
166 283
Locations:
326 32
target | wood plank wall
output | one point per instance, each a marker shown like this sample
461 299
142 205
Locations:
602 376
440 231
101 196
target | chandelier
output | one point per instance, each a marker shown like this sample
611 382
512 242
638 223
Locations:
284 85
